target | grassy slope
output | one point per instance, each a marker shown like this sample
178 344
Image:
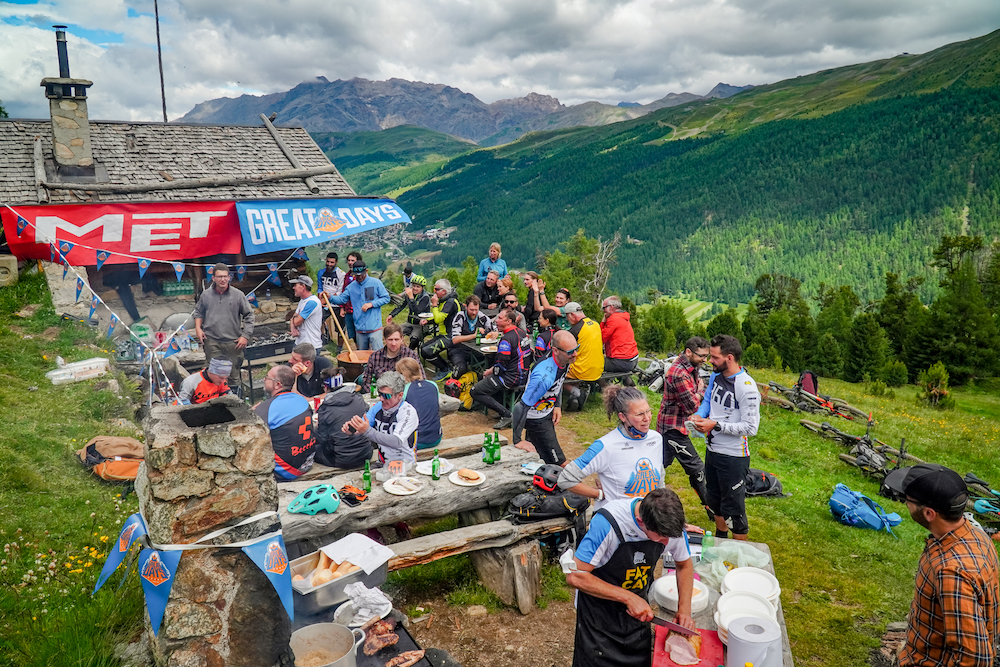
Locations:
51 509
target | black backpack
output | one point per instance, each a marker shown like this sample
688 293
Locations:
760 483
536 504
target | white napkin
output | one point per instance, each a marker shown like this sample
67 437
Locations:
369 602
360 550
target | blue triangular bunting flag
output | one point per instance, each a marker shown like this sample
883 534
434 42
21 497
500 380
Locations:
270 556
65 269
172 349
133 528
52 252
65 247
240 272
156 571
93 306
300 253
79 287
102 256
178 269
252 298
143 265
21 224
273 268
111 326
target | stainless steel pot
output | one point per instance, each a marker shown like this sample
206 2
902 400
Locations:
337 642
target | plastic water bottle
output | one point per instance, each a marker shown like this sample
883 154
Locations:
366 477
436 466
707 541
267 293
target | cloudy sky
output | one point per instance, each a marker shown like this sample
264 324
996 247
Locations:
576 50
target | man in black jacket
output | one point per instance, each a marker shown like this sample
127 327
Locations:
488 292
509 370
464 328
335 448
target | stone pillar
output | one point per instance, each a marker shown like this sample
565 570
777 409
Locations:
209 466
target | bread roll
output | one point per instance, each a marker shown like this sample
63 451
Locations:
324 562
298 577
321 577
343 567
468 475
352 568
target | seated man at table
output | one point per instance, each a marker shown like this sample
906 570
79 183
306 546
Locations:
510 302
308 366
334 447
208 384
464 328
289 418
510 368
391 424
589 364
614 570
487 291
385 359
422 394
418 302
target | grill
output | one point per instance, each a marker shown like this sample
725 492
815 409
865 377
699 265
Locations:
269 340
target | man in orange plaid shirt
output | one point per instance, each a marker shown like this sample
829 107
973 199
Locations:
953 617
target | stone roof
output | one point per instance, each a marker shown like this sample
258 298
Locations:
139 152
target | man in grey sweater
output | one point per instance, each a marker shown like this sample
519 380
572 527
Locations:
223 322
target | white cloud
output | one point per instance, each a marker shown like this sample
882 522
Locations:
576 50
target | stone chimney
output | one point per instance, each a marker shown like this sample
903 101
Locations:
68 109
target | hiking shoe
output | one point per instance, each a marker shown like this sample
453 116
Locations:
505 422
440 375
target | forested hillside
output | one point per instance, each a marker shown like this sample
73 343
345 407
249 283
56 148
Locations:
839 199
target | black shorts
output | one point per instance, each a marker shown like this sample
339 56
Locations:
542 434
726 489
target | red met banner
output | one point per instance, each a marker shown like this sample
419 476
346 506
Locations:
166 231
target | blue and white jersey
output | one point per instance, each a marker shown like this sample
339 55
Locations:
600 542
733 402
627 468
543 388
311 330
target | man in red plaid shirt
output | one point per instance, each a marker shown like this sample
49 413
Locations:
682 394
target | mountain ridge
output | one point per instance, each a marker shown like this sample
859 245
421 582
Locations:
359 105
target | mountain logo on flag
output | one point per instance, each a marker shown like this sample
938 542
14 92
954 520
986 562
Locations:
154 571
328 222
275 560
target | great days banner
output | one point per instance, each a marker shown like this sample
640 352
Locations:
286 224
165 231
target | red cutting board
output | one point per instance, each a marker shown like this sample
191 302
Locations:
711 649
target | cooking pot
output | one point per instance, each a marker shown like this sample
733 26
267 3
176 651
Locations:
353 368
338 642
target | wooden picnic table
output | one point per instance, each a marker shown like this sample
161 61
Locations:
304 534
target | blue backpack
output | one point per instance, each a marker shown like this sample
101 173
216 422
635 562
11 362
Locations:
856 509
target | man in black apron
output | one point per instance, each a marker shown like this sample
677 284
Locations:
614 570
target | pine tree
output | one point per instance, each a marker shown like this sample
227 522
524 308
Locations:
837 310
920 349
894 310
829 359
726 322
754 356
866 349
964 326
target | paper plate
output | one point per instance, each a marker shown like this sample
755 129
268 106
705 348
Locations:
391 486
665 594
753 604
753 580
455 479
424 467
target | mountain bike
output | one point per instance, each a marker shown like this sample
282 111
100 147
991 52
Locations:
827 405
651 371
866 452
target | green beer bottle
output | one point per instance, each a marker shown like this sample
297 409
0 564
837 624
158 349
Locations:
436 466
366 477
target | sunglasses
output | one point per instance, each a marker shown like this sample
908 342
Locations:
511 303
386 396
569 353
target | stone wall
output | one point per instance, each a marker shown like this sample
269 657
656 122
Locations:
199 476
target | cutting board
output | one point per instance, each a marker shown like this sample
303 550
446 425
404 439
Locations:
711 649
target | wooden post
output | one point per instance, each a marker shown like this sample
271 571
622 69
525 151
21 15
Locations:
310 183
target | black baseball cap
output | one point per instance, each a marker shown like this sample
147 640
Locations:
931 485
359 267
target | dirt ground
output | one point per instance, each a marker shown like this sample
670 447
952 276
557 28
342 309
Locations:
543 638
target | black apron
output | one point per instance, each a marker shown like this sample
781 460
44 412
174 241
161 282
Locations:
606 636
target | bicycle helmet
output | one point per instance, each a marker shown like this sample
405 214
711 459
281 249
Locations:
417 279
315 499
546 477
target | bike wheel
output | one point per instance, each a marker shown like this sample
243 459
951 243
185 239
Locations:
783 403
814 427
848 459
905 456
847 407
646 370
